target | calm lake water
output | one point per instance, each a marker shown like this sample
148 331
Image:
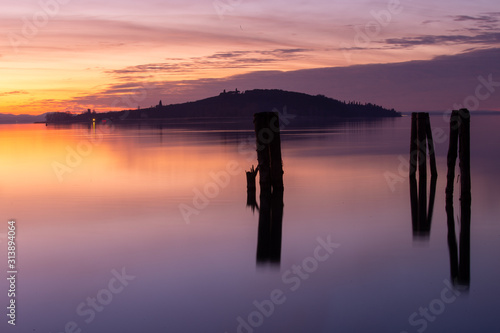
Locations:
147 230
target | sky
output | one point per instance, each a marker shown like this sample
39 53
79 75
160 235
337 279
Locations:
71 55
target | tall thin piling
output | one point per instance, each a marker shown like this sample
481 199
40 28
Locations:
413 145
430 142
452 152
459 136
422 169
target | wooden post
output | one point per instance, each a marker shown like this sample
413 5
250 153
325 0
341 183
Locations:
413 145
452 152
251 178
422 169
459 135
465 198
432 199
270 166
421 138
464 138
264 136
430 143
275 152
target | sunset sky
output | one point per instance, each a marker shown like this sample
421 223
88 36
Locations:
70 55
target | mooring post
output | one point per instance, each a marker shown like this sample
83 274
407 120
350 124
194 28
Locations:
464 153
275 152
251 178
465 197
422 168
413 145
270 166
452 152
459 136
263 135
430 142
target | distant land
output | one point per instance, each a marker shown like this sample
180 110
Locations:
6 118
236 104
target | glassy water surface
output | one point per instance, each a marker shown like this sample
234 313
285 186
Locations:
143 229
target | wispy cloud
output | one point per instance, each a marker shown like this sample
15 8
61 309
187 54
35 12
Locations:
15 92
222 60
487 38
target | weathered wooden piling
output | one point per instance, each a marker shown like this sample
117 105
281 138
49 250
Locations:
459 140
275 152
413 145
251 178
459 136
263 136
430 142
465 198
422 167
270 165
270 168
432 198
452 151
464 154
420 142
421 138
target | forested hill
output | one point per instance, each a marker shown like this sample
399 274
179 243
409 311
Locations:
241 104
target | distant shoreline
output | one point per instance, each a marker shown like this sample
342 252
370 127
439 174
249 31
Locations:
238 104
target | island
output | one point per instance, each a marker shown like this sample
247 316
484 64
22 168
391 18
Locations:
236 104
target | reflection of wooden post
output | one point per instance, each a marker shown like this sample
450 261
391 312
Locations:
270 227
277 225
414 205
452 239
264 230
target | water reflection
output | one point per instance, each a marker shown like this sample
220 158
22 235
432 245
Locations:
421 217
270 227
459 255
